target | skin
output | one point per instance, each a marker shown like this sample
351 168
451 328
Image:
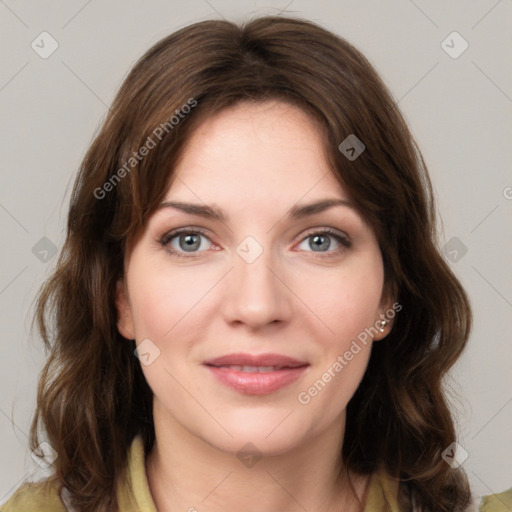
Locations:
254 161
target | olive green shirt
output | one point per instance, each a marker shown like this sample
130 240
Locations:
134 494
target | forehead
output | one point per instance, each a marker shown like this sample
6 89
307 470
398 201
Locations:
268 149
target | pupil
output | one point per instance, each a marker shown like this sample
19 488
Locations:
191 242
318 243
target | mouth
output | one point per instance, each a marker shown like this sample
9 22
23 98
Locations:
256 374
252 369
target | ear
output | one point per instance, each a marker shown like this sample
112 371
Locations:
388 308
125 324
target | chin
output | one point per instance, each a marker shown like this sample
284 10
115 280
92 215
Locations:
267 434
253 442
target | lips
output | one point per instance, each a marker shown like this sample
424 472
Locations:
256 374
251 369
276 361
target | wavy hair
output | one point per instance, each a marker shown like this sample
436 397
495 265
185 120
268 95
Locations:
92 396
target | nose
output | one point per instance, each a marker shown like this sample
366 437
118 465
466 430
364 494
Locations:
256 292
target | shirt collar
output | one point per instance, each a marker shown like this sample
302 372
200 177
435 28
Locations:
134 495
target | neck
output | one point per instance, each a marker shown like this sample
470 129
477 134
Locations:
186 473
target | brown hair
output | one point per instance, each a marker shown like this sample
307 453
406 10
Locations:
92 395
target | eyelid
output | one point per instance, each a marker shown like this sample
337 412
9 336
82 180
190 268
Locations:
328 231
169 235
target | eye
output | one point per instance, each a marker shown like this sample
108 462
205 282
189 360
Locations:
185 243
321 242
188 242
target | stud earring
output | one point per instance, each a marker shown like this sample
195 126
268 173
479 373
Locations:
383 324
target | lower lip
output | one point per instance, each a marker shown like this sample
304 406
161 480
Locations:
255 383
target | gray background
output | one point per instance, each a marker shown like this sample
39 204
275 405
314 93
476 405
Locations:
459 110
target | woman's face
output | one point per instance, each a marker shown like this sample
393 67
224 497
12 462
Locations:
263 280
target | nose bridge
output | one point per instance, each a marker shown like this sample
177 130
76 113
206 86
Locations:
255 296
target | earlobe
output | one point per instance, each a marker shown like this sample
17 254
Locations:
382 328
386 318
124 313
382 325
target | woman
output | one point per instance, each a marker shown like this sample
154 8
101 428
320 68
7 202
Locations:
250 307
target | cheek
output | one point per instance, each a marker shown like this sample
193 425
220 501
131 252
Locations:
162 301
344 353
346 301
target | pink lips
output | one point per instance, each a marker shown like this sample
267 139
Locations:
256 374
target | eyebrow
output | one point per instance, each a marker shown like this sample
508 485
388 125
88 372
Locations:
296 212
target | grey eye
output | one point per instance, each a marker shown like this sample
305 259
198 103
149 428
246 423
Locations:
319 242
189 242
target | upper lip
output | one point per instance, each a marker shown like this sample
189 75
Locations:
241 359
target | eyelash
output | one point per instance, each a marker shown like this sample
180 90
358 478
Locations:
166 238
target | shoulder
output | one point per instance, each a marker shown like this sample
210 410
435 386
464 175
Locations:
387 494
500 502
40 496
